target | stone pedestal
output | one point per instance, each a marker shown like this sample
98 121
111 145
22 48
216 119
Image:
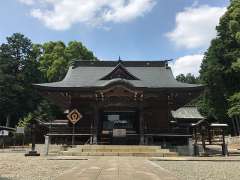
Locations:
47 142
190 147
146 140
141 139
94 139
196 150
225 149
32 153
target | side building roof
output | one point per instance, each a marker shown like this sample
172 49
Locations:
90 74
187 112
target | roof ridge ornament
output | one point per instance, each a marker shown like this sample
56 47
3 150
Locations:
166 63
119 60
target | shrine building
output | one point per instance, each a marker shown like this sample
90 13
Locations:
120 102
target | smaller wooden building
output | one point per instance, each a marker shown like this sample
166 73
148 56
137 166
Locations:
184 117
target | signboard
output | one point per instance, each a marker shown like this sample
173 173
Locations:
20 130
119 132
105 132
74 116
113 117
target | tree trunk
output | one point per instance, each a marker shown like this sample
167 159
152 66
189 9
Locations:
235 133
237 125
237 119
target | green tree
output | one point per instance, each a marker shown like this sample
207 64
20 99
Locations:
45 112
22 64
234 101
53 62
189 78
219 69
76 50
10 89
56 57
18 70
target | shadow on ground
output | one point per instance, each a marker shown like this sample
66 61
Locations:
3 178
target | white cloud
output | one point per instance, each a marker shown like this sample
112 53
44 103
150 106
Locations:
27 2
62 14
195 26
130 11
187 64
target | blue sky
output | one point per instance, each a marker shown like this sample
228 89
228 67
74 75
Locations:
133 29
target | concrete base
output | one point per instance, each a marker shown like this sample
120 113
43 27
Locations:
32 153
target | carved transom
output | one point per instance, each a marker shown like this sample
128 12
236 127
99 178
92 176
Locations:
119 91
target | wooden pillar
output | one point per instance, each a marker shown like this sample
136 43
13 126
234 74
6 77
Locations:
235 132
209 135
96 122
237 125
203 140
224 145
196 150
33 152
8 120
141 125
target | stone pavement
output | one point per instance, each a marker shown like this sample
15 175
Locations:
117 168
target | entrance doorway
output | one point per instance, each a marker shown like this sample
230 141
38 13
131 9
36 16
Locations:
120 127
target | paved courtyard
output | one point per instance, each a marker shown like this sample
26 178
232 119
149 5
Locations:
15 166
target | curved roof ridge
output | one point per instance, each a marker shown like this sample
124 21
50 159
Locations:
68 75
138 63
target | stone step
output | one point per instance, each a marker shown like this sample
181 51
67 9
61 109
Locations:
117 150
117 147
140 154
120 150
109 148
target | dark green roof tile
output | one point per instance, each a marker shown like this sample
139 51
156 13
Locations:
151 74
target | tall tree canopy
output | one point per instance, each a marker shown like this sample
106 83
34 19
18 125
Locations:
220 67
56 57
23 63
18 70
234 102
189 78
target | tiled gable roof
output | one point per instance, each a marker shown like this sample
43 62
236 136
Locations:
89 74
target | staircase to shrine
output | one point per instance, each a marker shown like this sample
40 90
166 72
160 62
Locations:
118 150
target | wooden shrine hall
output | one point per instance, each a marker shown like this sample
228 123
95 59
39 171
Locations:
120 102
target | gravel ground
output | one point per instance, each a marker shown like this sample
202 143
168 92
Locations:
17 166
199 170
